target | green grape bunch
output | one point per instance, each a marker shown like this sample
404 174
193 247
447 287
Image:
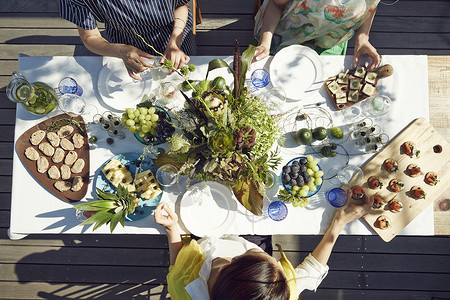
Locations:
141 120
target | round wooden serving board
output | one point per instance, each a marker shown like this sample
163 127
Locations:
23 142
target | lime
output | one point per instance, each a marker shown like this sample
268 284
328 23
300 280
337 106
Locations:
303 136
336 132
218 83
319 133
326 151
39 110
23 92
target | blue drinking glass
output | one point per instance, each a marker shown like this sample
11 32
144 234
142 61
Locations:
260 78
337 197
277 211
68 85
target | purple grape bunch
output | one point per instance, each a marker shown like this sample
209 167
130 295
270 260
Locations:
164 130
295 174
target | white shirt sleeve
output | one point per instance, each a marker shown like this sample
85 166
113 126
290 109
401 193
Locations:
310 273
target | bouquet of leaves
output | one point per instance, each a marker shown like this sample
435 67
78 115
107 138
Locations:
227 134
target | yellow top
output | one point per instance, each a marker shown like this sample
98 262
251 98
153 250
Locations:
190 260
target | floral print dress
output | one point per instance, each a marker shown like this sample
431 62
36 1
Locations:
317 23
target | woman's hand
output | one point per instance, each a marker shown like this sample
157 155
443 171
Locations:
363 46
354 209
176 55
170 220
261 52
132 58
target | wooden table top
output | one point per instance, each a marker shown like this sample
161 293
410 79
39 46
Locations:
439 97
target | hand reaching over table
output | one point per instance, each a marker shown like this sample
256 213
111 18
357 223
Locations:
170 223
354 209
168 220
131 57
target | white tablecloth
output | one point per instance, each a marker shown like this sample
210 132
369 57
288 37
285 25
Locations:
35 210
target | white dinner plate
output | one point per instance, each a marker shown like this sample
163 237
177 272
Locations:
208 218
295 69
117 89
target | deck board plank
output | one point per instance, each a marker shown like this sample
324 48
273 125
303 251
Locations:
43 290
99 265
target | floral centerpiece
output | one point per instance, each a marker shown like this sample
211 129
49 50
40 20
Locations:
227 134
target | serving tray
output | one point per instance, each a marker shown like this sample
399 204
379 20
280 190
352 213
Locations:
434 156
23 142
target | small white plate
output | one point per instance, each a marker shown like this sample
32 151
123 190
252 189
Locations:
117 89
295 69
209 218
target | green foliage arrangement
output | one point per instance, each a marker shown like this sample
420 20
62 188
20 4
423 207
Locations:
227 134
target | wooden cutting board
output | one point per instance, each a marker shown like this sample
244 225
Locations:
23 142
381 72
434 156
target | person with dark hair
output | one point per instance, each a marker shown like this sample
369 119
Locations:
323 25
165 25
231 267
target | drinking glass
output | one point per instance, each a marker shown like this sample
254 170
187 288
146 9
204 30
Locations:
68 85
260 78
373 148
377 105
110 123
277 211
72 104
274 99
365 132
115 133
271 178
168 91
361 124
166 175
380 139
337 197
104 123
350 175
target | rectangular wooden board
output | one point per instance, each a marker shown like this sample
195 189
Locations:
434 156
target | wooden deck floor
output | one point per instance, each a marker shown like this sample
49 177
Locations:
134 266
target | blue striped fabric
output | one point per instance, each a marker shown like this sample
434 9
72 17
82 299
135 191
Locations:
152 19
